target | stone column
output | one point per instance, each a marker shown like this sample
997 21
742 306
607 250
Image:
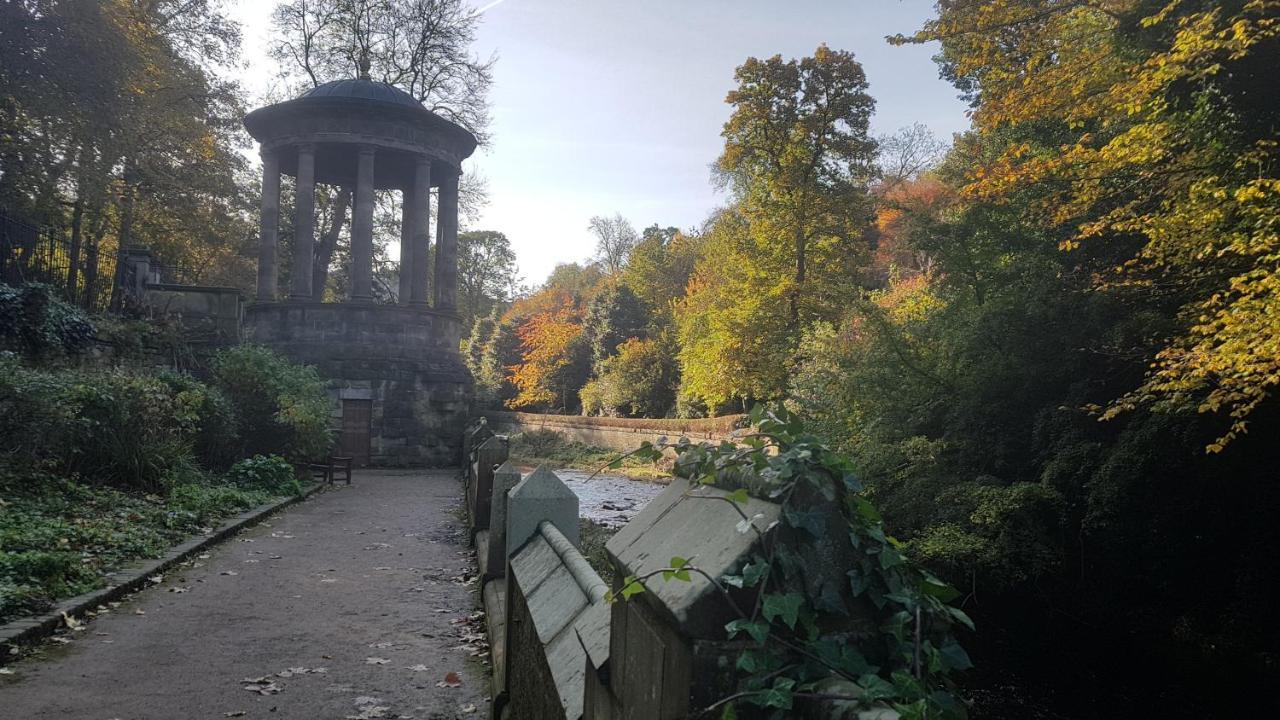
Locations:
446 279
421 231
362 229
269 225
304 223
407 233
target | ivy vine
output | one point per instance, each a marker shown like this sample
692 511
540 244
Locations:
883 639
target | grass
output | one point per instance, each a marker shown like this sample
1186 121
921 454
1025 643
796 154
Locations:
59 537
593 539
548 447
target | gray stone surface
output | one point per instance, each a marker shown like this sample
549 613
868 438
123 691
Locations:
540 496
354 573
505 478
693 523
404 359
557 611
492 453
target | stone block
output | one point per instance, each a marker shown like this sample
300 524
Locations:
540 496
505 478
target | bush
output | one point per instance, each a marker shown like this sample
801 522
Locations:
111 427
281 407
217 440
638 381
35 322
265 472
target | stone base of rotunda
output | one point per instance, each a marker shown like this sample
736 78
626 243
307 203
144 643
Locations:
394 373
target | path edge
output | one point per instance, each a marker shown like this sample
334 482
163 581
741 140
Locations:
28 630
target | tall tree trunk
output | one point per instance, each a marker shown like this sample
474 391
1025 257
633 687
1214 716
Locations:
799 278
328 243
73 253
124 238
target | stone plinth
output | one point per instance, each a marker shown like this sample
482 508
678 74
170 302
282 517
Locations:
403 359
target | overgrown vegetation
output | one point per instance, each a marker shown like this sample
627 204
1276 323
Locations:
842 615
548 447
1050 349
103 465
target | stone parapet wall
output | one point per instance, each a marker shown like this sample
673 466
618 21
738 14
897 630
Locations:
616 433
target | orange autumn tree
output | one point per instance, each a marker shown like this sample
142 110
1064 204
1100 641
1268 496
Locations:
554 357
1155 126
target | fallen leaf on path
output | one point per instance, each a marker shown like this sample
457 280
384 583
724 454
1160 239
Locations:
380 645
71 623
157 579
262 686
205 556
179 589
452 680
6 671
275 557
139 611
234 713
417 668
468 708
229 572
369 712
61 640
376 661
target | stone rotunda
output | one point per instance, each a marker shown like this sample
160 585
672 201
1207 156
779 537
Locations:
401 390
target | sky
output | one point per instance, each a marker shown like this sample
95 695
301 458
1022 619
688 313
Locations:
603 107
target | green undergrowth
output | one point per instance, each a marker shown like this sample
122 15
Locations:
553 449
59 537
592 541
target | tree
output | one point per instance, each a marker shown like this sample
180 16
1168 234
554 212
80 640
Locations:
638 381
486 272
1163 155
612 317
659 268
117 123
799 161
793 248
615 238
555 359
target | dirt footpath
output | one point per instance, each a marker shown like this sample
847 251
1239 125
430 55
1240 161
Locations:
353 604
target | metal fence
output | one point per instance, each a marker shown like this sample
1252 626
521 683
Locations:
32 253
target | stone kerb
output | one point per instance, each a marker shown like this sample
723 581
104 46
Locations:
505 478
490 454
667 654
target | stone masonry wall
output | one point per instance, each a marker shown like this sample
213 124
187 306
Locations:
404 360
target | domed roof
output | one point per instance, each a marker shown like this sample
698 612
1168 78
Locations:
361 89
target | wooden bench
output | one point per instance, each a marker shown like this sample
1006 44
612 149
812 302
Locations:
327 471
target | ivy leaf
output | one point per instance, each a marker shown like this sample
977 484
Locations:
786 607
631 586
744 526
730 712
959 616
753 572
933 587
875 687
811 521
759 631
739 497
781 695
953 656
677 570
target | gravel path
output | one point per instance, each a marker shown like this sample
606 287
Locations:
371 583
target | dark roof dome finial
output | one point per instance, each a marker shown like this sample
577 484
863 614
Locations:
364 64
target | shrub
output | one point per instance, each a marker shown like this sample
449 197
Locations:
281 407
265 472
111 427
217 439
34 321
638 381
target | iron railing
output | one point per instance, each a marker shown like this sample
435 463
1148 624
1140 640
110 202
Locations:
79 271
